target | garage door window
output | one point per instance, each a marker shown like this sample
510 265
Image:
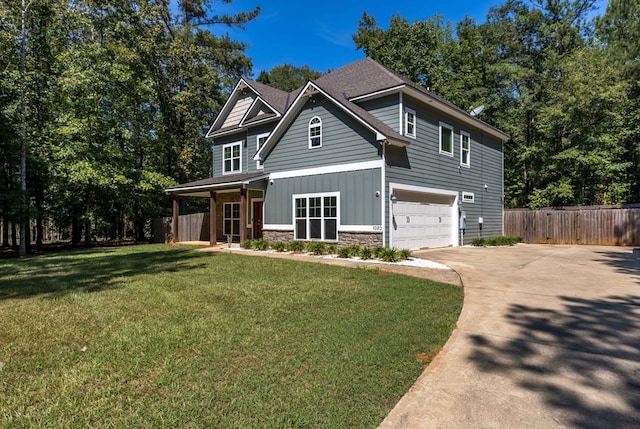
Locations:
316 217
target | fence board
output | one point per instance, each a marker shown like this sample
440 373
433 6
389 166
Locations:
603 225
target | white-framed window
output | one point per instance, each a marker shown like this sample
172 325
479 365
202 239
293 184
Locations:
410 122
316 216
465 149
232 158
231 219
315 132
446 139
468 197
260 139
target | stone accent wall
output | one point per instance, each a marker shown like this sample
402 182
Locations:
278 235
364 239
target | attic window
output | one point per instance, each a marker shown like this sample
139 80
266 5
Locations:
315 132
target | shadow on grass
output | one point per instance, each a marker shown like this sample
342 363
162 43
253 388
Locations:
595 343
89 271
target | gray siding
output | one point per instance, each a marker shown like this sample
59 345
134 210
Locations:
252 134
358 202
344 140
248 139
421 164
385 109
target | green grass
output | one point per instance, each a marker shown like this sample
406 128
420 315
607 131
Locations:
178 338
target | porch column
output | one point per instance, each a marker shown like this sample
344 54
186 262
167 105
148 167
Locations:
243 214
174 224
213 238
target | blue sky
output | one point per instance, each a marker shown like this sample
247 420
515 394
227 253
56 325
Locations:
319 34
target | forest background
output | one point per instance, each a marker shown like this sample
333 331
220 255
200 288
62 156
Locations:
104 104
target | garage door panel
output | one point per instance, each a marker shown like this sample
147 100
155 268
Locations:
422 224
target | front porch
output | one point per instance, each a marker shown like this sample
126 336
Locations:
235 209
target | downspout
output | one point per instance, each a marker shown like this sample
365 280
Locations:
384 194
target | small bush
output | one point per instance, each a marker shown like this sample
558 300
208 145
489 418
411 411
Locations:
279 246
378 251
404 254
355 249
247 244
496 241
261 244
344 252
366 253
296 246
316 247
389 255
332 249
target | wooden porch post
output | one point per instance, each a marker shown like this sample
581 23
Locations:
174 224
243 214
213 238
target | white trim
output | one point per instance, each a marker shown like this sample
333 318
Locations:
263 101
277 227
314 126
224 112
424 190
258 137
450 127
406 122
339 168
377 94
462 135
361 228
383 196
238 143
401 114
322 196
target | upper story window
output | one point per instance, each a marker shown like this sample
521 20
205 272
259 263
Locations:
260 139
315 132
446 139
465 149
409 122
232 158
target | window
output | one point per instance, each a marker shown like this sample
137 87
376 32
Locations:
260 139
316 216
446 139
410 123
231 158
315 132
231 224
465 149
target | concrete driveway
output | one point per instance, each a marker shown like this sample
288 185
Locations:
549 336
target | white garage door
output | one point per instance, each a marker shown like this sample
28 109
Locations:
421 224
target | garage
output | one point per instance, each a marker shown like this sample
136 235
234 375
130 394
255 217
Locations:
423 220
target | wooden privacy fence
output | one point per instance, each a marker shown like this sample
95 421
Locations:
191 227
603 225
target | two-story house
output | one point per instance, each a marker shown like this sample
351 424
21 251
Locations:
361 155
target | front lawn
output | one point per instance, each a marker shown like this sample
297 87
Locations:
163 336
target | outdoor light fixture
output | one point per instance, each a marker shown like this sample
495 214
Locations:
393 198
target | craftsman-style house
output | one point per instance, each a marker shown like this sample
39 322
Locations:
361 155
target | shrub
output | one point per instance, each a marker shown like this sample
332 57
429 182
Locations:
316 247
496 241
389 255
247 244
366 253
261 244
377 252
279 246
332 249
296 246
344 252
404 254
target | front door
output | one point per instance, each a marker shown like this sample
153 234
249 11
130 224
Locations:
257 219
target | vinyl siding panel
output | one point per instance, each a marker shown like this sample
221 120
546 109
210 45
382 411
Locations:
252 134
358 203
238 111
344 140
421 164
217 145
385 109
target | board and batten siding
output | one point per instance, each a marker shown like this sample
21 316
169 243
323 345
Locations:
422 164
386 109
217 145
252 135
359 204
344 140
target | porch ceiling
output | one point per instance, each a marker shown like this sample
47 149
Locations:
201 188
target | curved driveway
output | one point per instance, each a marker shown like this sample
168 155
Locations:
549 336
